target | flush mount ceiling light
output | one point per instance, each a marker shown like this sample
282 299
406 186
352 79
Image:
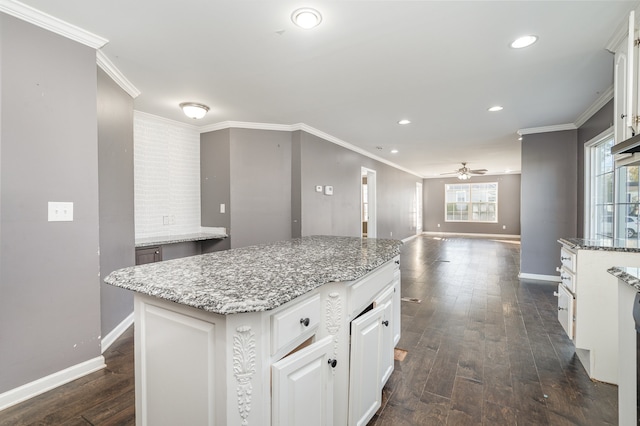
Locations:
524 41
394 151
464 176
306 18
495 108
194 110
404 121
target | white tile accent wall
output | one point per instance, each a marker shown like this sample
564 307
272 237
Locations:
166 159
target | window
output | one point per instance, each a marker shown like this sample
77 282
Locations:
627 203
599 167
471 202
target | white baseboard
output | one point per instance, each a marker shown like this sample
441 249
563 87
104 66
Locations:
539 277
116 332
44 384
469 234
406 240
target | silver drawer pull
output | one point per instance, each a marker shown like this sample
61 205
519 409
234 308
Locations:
386 323
565 258
332 362
564 277
562 309
556 294
304 321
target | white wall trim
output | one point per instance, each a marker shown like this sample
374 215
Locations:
113 335
115 74
539 277
44 384
602 100
51 23
469 234
140 114
305 128
406 240
547 129
596 106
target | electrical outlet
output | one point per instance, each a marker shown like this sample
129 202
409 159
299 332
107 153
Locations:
223 208
328 190
438 225
318 188
504 226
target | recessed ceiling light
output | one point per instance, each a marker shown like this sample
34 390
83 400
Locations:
495 108
520 138
394 151
524 41
404 121
306 18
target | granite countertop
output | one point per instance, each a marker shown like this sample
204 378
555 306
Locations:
604 244
181 238
257 278
629 275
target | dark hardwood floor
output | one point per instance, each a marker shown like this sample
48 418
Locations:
483 347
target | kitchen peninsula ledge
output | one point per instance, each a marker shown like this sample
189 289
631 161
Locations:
245 336
603 244
179 238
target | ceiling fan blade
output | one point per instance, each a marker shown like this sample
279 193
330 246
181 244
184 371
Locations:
478 171
451 173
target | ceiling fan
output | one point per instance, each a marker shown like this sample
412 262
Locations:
465 173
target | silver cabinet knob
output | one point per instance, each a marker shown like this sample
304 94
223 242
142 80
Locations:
386 323
332 362
304 321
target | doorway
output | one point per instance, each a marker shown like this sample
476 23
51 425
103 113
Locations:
368 202
418 208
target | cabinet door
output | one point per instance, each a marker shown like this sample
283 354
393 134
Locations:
565 310
365 393
385 302
622 131
396 310
632 76
302 389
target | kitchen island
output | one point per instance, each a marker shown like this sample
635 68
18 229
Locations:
588 300
294 332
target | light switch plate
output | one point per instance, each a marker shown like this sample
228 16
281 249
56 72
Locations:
328 190
318 188
60 211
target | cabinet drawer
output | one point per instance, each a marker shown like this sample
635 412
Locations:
291 322
568 259
568 279
362 292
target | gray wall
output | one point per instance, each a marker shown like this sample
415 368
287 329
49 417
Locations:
598 123
508 207
549 198
115 177
49 284
271 184
325 163
260 181
215 187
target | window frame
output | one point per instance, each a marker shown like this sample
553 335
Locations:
469 203
590 174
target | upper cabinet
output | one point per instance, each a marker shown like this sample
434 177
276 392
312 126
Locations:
626 84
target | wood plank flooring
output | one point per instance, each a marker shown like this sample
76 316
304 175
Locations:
483 347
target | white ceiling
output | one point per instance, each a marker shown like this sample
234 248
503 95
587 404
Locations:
440 64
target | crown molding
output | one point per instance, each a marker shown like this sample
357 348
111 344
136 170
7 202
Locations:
596 106
307 129
146 115
546 129
51 23
115 74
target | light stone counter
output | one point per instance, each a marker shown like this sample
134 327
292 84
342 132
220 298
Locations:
257 278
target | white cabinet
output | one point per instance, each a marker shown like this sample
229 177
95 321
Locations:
592 306
365 393
627 83
566 304
302 389
311 361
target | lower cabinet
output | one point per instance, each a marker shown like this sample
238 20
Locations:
302 386
321 359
